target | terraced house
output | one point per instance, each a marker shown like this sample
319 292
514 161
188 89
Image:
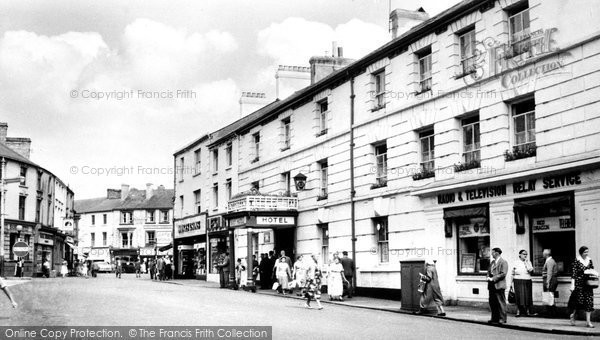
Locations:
477 128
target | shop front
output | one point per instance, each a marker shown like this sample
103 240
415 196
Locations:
219 244
19 231
189 244
558 210
44 251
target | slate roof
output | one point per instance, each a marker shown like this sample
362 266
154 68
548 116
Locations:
135 200
9 153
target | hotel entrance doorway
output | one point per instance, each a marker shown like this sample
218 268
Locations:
285 239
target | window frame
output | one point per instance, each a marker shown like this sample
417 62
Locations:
256 145
22 207
124 214
323 115
527 132
470 122
162 213
467 60
198 200
286 127
429 135
381 173
150 241
150 213
324 233
515 45
198 161
379 88
425 77
229 155
104 238
215 160
215 194
383 246
228 189
23 176
323 179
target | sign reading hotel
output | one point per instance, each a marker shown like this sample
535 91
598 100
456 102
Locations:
275 220
191 226
519 187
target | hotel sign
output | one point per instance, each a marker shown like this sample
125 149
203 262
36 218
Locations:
519 187
275 220
190 226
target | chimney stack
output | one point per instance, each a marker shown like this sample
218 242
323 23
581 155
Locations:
124 191
401 20
3 132
290 79
149 190
321 67
252 101
113 194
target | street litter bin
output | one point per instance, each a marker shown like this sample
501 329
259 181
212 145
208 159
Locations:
409 282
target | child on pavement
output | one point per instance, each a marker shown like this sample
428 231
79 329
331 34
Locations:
7 292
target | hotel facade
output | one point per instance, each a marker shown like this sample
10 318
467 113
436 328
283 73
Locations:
477 128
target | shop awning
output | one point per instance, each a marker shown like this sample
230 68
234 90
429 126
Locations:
543 201
167 247
466 212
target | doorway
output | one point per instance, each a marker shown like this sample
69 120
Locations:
285 239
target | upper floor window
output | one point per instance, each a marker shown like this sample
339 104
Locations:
181 167
285 125
150 238
93 239
467 51
93 219
425 80
104 219
518 23
323 177
198 200
216 196
256 141
23 174
381 162
523 117
323 109
197 161
255 186
471 143
228 189
126 217
286 179
150 216
39 180
215 160
104 238
164 215
427 151
180 206
228 154
379 81
38 210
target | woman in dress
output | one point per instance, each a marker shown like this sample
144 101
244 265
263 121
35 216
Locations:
312 287
432 290
299 273
582 296
283 273
64 271
522 283
336 280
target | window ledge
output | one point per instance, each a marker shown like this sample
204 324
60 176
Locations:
321 197
215 173
378 185
285 148
520 154
255 160
377 108
417 93
228 167
464 74
423 175
466 166
321 133
195 175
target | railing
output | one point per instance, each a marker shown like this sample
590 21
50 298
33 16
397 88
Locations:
265 203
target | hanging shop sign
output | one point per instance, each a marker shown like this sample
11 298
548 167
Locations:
518 187
191 226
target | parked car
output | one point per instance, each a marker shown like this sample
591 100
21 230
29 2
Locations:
104 267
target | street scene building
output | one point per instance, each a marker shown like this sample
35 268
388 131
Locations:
478 128
37 208
128 223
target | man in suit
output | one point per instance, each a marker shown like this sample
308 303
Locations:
550 279
496 286
224 271
349 269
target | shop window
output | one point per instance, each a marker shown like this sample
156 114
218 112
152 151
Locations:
382 232
551 223
473 230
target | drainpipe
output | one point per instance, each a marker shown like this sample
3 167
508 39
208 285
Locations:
352 189
175 252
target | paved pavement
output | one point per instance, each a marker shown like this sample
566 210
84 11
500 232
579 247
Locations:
142 302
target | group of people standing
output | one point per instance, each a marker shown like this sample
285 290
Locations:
582 284
161 268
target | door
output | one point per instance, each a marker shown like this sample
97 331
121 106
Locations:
285 239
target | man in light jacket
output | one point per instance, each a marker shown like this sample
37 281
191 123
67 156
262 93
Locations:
497 286
550 279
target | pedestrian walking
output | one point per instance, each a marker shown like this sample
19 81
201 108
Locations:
160 269
19 268
312 288
138 268
299 274
95 269
64 270
432 291
224 270
152 269
255 269
497 286
582 294
241 277
550 281
118 268
349 270
263 276
143 267
283 274
336 280
46 268
167 268
522 284
7 293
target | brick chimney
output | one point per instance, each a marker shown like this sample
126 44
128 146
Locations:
149 190
321 67
3 132
124 191
290 79
401 20
252 101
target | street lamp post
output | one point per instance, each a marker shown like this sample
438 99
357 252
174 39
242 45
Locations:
3 182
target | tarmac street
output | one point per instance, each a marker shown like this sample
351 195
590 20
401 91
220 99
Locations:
130 301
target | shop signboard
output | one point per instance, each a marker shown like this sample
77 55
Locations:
216 224
191 226
467 264
551 224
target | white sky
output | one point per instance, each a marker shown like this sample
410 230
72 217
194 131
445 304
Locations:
215 48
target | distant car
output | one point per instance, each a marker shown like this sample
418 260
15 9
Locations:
128 267
103 266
